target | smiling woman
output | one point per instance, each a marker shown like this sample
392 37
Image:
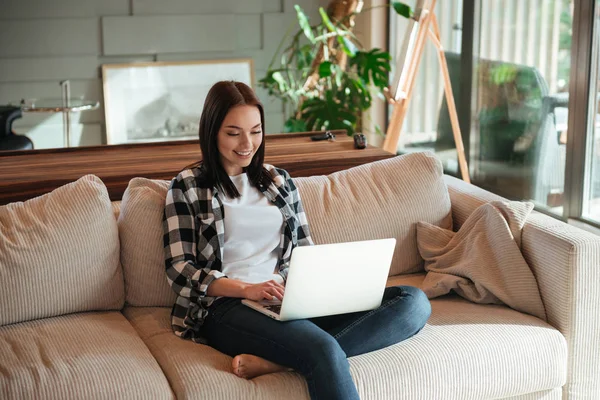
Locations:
230 225
239 138
231 135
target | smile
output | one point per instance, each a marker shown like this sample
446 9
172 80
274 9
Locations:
243 153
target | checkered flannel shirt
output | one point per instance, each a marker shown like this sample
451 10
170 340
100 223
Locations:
193 242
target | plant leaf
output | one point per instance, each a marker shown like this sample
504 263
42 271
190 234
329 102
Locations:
327 113
325 69
304 24
360 93
373 66
277 77
269 83
347 45
294 125
268 79
304 56
339 73
354 94
326 20
402 9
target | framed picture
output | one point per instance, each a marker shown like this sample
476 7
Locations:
162 101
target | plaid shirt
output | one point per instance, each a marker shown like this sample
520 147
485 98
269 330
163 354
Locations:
193 240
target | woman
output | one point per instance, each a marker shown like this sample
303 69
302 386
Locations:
231 223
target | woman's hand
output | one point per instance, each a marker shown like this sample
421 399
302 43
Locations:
268 290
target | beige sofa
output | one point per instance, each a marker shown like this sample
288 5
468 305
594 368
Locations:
84 304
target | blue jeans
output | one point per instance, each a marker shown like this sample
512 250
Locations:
318 348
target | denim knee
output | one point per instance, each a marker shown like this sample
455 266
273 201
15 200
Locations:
325 353
420 307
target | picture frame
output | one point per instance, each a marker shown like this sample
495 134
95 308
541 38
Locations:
162 101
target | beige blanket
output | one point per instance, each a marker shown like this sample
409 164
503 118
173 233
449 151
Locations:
482 262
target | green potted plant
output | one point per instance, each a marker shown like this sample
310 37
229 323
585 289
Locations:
326 79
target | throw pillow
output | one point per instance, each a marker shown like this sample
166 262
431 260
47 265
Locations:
59 254
482 262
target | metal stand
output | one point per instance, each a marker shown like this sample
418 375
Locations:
66 103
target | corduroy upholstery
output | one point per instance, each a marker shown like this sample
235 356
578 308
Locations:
379 200
59 253
141 234
95 355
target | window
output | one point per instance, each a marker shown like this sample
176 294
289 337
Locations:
530 64
520 99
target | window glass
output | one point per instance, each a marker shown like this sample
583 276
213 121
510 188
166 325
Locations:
520 99
591 204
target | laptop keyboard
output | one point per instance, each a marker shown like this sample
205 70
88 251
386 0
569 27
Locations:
276 308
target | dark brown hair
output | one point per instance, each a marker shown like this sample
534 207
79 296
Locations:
222 97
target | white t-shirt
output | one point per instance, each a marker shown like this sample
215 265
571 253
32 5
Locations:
253 229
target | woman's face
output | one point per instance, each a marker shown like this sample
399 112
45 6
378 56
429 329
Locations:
239 138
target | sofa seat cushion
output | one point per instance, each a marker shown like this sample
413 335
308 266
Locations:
470 350
196 371
94 355
465 351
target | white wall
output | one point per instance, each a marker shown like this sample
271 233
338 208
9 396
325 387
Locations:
43 42
371 31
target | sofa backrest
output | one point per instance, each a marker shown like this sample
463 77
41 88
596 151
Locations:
383 199
377 200
59 254
142 249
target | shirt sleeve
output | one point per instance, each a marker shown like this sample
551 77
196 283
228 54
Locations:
304 238
187 275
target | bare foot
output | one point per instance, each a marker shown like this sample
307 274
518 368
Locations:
248 366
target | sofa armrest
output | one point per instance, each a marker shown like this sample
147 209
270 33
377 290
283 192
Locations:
566 263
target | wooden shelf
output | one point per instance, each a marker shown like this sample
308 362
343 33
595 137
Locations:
27 174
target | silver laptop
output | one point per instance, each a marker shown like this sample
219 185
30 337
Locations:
330 279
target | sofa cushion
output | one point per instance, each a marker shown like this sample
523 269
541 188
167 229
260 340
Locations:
466 350
141 233
85 356
379 200
482 262
211 370
59 254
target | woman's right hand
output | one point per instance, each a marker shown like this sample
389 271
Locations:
264 291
